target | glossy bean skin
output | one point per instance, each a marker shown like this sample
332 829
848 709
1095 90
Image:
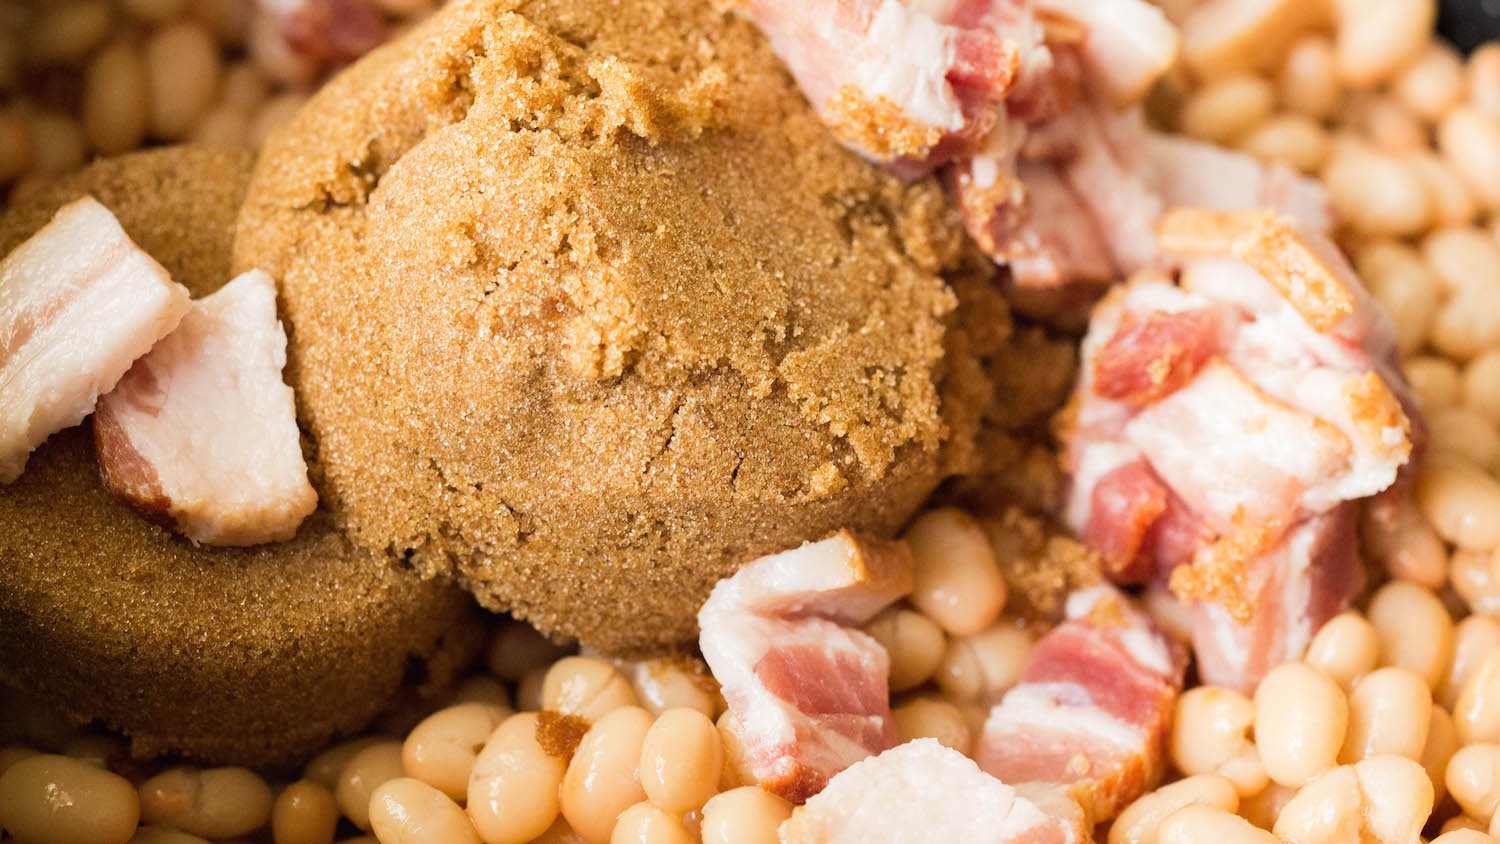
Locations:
413 812
513 789
745 815
305 812
958 584
440 750
587 687
1141 821
1389 712
681 761
644 823
603 778
47 799
1301 716
362 774
212 802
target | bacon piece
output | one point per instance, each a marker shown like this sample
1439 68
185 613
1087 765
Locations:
1127 44
1149 358
923 791
201 434
329 32
79 302
1312 575
1244 466
1092 708
808 693
891 79
1235 451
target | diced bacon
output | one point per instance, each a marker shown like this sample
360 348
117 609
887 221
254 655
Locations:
1309 577
1246 467
1235 451
329 32
1092 708
1124 508
1032 221
1109 172
201 434
79 302
925 792
808 693
1127 44
1148 358
891 79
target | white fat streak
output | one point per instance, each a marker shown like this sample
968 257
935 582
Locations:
1043 704
1141 641
905 60
53 380
1283 355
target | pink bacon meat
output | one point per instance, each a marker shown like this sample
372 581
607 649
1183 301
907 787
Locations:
79 302
1226 422
201 434
1091 711
925 792
808 693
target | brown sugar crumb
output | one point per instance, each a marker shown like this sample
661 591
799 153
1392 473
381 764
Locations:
1201 232
879 126
1218 571
559 732
1041 564
1378 414
1108 612
1295 265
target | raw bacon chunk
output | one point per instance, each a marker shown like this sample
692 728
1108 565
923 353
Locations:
79 302
1309 577
1228 422
1152 356
892 78
1092 708
201 434
925 792
807 692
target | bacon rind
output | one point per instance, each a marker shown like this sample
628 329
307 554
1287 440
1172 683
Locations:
79 302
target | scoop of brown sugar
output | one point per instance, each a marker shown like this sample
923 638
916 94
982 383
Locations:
588 308
249 656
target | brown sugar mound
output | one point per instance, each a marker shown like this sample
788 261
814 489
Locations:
588 308
248 656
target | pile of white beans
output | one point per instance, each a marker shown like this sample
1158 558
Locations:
654 762
1388 729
